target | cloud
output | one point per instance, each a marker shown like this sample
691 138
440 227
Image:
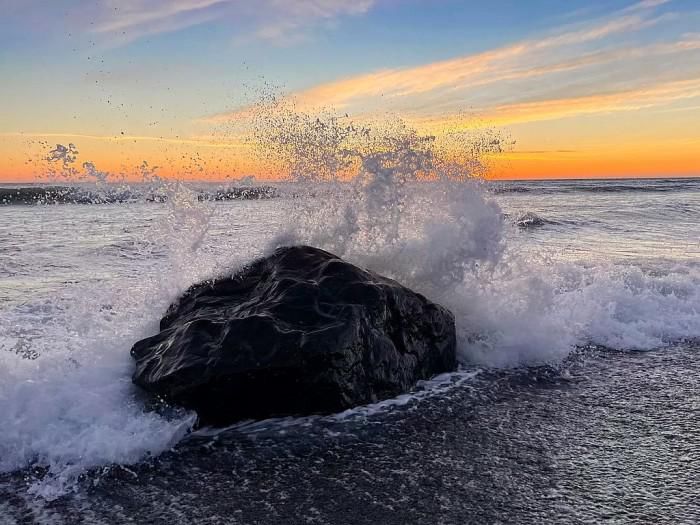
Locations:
472 72
649 96
131 14
646 4
276 21
289 19
652 95
435 85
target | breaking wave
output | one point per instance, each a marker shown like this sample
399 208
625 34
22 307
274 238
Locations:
406 205
416 209
531 220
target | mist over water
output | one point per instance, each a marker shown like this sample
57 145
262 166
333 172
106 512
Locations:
80 284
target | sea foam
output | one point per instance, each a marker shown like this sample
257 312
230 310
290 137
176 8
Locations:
385 197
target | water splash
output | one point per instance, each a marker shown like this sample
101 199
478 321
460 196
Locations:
416 208
67 404
383 195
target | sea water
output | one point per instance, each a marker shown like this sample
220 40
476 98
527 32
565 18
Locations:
577 304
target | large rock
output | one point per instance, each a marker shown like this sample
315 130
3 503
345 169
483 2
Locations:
298 332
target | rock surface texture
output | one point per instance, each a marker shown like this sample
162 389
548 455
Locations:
298 332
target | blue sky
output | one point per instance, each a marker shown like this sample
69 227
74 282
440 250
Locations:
164 68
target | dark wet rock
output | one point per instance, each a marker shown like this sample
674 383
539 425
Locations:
77 195
530 220
250 193
298 332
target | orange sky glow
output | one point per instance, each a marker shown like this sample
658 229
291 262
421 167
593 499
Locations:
592 93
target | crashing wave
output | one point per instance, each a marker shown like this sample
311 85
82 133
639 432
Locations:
530 220
384 197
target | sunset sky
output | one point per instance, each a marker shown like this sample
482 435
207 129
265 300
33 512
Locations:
608 88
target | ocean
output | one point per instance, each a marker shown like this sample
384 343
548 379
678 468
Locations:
578 313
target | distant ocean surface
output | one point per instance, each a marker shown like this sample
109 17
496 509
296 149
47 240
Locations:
577 400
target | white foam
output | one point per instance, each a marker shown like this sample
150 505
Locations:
425 221
66 398
515 306
409 214
73 407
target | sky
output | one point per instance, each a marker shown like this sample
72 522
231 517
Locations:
609 88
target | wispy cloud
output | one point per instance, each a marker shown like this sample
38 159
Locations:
288 20
591 68
647 4
276 21
568 49
134 13
652 95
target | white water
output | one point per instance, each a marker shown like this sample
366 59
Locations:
415 215
80 284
